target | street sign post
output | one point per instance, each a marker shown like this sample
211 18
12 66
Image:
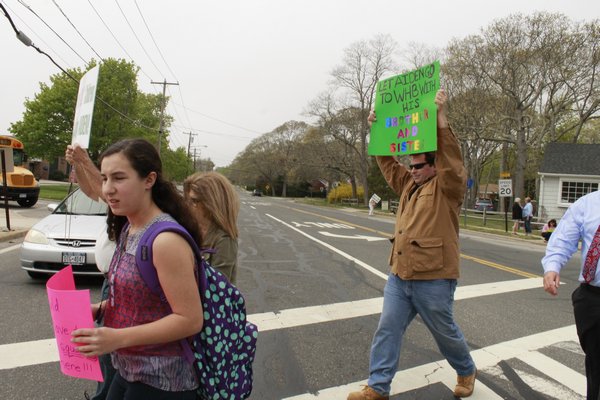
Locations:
505 191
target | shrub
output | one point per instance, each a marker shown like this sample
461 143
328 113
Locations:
343 191
57 176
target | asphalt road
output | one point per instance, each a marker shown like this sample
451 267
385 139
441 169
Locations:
313 280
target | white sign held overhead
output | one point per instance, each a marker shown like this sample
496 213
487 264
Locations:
375 199
505 188
82 125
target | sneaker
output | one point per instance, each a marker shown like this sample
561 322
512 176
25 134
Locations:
367 393
465 385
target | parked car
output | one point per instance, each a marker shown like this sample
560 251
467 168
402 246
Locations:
484 204
67 236
256 192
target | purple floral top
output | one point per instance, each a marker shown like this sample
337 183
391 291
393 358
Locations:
131 303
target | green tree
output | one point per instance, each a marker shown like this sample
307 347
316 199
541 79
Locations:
123 112
176 164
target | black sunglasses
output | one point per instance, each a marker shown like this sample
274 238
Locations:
417 166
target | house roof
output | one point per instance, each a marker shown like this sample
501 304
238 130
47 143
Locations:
571 159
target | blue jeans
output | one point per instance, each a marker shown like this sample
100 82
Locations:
527 223
402 300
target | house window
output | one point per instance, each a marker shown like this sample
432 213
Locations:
571 191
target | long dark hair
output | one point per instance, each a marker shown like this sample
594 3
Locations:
144 159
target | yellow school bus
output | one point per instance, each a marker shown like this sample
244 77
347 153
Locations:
22 186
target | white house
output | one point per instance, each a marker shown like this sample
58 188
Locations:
568 171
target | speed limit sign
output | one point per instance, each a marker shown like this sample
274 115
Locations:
505 188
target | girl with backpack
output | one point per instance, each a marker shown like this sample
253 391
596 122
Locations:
141 331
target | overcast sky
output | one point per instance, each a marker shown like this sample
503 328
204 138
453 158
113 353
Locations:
244 67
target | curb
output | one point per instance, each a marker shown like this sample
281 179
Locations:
5 236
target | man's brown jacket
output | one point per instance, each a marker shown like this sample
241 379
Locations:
425 241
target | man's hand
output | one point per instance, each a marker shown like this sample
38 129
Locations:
75 154
551 282
440 100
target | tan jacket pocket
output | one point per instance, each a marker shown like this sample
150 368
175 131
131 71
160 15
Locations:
426 254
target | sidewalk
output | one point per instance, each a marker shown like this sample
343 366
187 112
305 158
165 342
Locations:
19 224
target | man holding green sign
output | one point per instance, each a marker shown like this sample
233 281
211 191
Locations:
425 253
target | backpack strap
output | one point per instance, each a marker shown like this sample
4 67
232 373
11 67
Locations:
143 260
143 255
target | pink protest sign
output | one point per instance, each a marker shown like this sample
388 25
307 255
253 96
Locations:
70 309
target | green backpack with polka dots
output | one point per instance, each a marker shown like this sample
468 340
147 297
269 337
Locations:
223 351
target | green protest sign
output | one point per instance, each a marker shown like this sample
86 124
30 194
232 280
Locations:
406 113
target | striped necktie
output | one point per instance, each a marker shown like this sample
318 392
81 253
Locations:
591 259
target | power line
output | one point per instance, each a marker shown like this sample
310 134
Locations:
77 30
218 120
33 31
152 37
49 27
216 133
168 66
116 40
137 38
27 42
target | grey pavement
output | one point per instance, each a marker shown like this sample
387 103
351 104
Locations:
20 224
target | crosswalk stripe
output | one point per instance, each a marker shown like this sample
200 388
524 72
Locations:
39 352
440 371
28 353
331 312
557 371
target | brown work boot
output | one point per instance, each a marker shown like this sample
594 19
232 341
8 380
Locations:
367 393
465 384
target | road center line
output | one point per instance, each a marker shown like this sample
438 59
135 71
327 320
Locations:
500 267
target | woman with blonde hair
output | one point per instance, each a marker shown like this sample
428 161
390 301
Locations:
216 205
517 215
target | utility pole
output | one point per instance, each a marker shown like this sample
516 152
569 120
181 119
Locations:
196 147
162 108
188 149
190 134
194 161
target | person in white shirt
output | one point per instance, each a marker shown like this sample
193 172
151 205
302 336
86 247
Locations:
580 222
